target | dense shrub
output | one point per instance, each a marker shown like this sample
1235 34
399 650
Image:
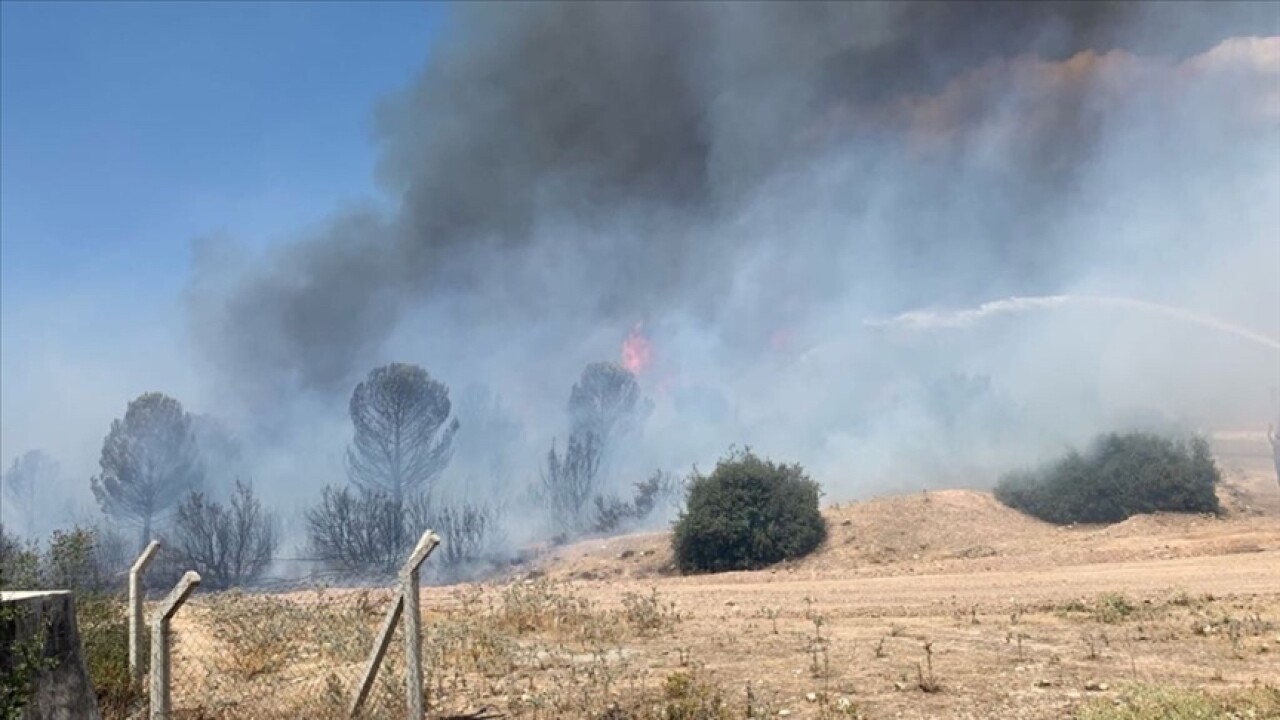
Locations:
19 563
80 559
746 514
1120 475
104 634
22 662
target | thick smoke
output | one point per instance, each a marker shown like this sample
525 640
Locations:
752 182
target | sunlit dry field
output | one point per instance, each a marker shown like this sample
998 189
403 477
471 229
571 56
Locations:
930 605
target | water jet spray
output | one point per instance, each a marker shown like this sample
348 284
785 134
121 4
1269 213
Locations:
931 320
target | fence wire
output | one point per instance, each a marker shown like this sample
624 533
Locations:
535 648
298 654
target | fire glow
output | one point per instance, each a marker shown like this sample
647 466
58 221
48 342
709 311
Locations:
637 353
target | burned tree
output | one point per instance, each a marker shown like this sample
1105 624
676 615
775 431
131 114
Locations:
470 531
569 481
357 531
403 440
604 405
230 544
149 462
403 432
605 402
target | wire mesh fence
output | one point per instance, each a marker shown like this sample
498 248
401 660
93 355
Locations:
527 649
532 648
295 654
292 650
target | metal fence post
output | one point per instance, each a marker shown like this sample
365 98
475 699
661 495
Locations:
136 626
160 690
409 578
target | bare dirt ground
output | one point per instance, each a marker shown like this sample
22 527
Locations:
930 605
1023 619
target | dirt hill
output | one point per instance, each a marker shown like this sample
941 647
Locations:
1024 619
951 531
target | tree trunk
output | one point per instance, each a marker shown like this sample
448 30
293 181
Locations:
146 533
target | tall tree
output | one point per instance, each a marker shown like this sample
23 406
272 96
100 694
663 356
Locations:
569 481
149 462
29 478
604 405
605 402
403 432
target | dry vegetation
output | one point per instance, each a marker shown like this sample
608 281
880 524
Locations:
938 605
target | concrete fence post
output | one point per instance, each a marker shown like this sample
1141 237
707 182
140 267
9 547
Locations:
409 580
160 682
405 605
136 626
375 658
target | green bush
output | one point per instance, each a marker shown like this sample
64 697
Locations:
1121 475
86 561
21 663
79 559
747 514
19 563
103 621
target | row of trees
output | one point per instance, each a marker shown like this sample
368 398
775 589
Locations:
404 438
180 477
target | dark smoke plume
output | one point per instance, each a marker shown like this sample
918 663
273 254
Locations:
598 163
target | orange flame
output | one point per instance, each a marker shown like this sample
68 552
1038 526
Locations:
637 354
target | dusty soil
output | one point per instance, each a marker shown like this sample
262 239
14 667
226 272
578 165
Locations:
931 605
1016 612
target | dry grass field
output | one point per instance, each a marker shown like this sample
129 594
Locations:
931 605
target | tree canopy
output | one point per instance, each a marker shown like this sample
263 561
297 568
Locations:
403 431
605 402
149 462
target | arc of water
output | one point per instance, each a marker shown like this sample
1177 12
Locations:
928 320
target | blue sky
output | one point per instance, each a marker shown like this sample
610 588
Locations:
128 130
